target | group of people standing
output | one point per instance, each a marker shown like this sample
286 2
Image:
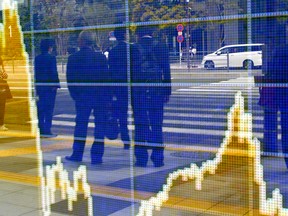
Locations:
97 84
139 73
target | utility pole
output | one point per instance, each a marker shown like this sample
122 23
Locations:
187 37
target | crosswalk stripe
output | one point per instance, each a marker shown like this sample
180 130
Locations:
194 131
207 90
186 123
212 110
188 115
210 92
201 96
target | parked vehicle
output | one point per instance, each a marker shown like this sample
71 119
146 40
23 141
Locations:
247 56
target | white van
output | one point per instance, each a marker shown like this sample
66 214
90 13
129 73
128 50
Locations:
240 55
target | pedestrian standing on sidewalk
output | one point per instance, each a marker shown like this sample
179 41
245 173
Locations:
150 92
47 83
4 94
87 70
274 98
119 74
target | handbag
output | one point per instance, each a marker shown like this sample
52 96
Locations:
111 124
268 94
5 92
268 97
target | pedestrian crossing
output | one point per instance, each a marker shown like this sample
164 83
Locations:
197 117
194 127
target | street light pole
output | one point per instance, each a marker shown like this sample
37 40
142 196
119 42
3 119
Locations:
187 37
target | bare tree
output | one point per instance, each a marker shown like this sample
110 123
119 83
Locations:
99 14
56 14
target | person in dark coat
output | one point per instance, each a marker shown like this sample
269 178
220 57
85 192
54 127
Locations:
119 76
275 98
47 83
87 70
151 90
3 95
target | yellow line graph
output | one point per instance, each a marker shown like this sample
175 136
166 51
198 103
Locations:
23 122
238 136
237 148
67 191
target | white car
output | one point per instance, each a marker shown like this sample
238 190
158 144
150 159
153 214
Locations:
247 56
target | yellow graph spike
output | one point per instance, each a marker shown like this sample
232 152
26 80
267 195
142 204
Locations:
67 191
21 119
23 156
245 166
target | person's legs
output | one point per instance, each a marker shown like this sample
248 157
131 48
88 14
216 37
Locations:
142 130
50 103
270 130
97 149
123 125
2 111
156 139
82 118
40 112
121 109
157 156
284 129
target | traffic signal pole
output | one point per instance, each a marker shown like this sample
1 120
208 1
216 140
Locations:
187 37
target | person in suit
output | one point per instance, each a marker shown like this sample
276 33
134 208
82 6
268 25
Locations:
47 83
275 98
87 70
3 95
150 92
119 76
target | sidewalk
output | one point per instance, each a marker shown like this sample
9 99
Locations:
175 65
19 175
118 187
183 65
115 184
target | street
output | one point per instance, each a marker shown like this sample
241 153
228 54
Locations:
213 159
196 112
195 121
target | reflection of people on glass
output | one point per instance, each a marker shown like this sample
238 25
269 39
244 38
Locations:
275 99
118 70
3 95
47 83
190 53
194 50
149 96
86 71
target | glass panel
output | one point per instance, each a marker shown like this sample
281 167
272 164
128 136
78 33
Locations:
149 119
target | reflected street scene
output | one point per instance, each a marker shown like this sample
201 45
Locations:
111 108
